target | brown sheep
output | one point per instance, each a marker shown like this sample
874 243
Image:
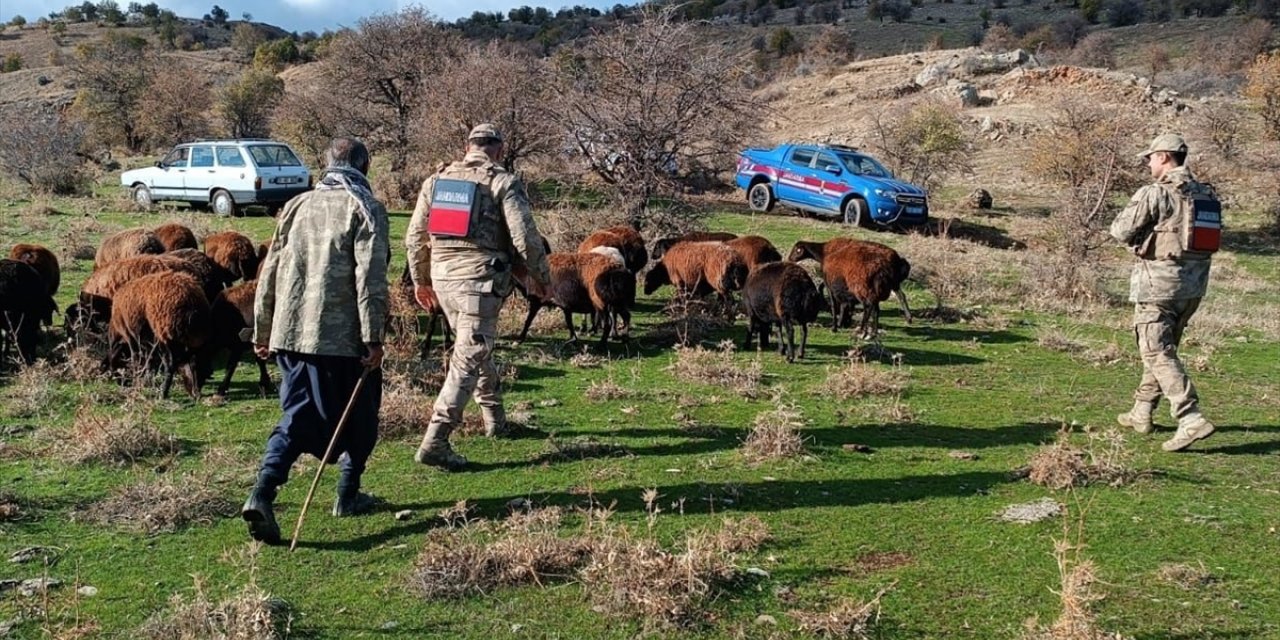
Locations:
94 304
175 236
162 313
42 260
698 268
588 283
755 250
626 240
232 312
856 271
781 294
24 304
234 252
126 244
662 245
213 278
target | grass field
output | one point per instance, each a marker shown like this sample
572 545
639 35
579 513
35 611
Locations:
908 516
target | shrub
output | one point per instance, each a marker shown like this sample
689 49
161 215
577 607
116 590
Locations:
1156 59
999 38
18 21
245 105
775 435
12 62
1122 13
275 55
42 149
1263 89
923 141
783 42
1097 49
1223 125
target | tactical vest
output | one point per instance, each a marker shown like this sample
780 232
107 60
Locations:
487 230
1193 231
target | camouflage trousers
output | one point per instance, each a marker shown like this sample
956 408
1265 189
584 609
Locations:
1158 327
473 315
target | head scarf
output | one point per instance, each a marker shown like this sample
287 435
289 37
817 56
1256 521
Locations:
353 182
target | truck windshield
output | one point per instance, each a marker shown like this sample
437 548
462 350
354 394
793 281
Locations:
863 166
273 155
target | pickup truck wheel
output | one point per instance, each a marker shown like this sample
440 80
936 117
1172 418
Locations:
760 197
222 203
855 212
142 196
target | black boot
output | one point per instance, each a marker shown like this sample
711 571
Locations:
258 512
350 501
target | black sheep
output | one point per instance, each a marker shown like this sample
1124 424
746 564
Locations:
24 303
781 294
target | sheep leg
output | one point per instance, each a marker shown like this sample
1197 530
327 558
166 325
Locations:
604 328
790 330
902 300
167 363
568 323
233 360
625 331
534 307
804 338
751 326
432 320
875 319
188 371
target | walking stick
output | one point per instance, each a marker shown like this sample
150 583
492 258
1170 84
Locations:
333 442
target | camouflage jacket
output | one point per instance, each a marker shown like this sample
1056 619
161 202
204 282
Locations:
1158 280
505 235
323 287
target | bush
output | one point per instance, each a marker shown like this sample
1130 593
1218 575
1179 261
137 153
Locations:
1069 31
923 141
783 42
18 21
1097 49
245 105
1264 90
999 38
12 62
43 150
276 55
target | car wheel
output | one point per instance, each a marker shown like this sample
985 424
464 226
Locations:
142 196
222 203
855 212
273 210
760 197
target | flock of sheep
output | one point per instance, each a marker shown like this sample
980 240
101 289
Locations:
154 294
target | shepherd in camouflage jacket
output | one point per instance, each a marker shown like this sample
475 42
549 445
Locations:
321 307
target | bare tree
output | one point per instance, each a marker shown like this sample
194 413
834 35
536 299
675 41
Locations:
245 105
113 75
173 109
308 118
514 95
43 150
384 71
1084 153
649 105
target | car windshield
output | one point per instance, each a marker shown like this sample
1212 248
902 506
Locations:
273 155
863 166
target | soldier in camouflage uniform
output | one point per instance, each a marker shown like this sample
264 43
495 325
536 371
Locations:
321 306
1166 287
468 277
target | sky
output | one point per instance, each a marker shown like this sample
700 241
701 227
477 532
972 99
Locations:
306 15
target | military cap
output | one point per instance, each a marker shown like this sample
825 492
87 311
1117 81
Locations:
484 131
1171 142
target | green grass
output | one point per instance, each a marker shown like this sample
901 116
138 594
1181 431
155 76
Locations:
989 389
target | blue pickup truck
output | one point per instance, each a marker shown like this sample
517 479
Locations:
832 181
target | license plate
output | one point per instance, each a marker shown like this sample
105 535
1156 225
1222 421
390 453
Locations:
915 211
286 180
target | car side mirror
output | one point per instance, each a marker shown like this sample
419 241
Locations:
832 169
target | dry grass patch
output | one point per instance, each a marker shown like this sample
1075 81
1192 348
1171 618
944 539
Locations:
588 360
1107 460
857 379
635 577
718 368
164 504
30 392
251 614
689 322
1078 621
406 407
475 557
848 619
606 390
1056 339
10 507
775 435
115 435
1186 577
